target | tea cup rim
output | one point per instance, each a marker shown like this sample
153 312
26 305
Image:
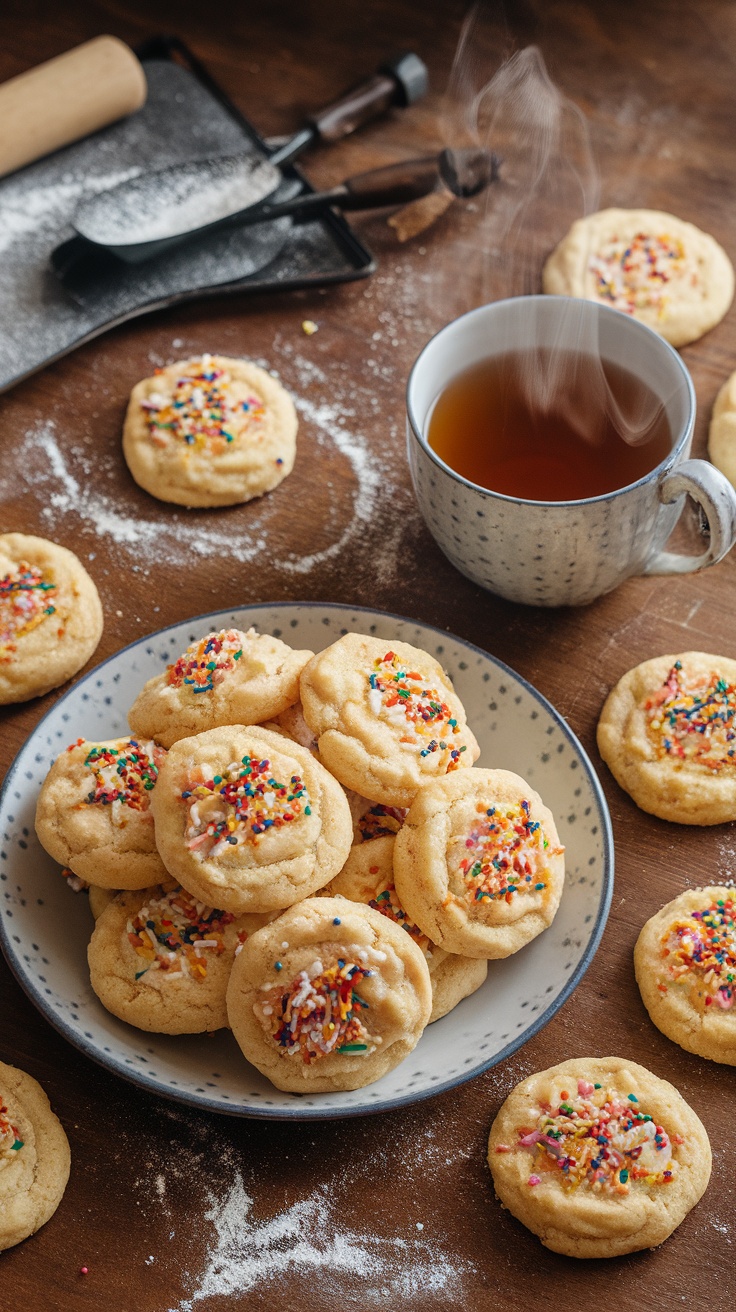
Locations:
600 308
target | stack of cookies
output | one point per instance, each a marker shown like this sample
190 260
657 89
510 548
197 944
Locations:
297 846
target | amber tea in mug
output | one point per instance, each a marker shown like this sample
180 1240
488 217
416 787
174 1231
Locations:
548 425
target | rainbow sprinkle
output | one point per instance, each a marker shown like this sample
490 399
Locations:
599 1141
385 900
700 954
175 933
693 719
381 821
505 852
632 275
424 722
202 410
10 1140
124 776
318 1013
240 804
25 602
204 664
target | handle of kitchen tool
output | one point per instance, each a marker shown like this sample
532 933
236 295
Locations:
717 500
394 185
67 98
401 81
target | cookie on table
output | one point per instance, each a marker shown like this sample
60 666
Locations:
598 1157
50 616
653 266
667 733
161 960
249 821
94 812
722 431
227 677
34 1157
386 717
210 431
368 877
478 863
329 997
685 962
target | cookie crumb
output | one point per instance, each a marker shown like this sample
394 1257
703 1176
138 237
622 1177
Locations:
309 327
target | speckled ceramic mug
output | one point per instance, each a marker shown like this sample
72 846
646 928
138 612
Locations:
564 553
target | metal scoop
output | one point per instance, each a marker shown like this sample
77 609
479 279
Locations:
148 215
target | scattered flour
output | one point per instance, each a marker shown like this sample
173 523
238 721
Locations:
305 1238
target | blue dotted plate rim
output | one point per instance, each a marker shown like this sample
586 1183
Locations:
301 1113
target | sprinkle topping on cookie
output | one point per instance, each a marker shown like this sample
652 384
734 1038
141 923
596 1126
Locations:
381 821
319 1012
26 599
241 804
175 933
386 901
505 852
700 953
692 720
202 410
424 722
123 776
10 1140
598 1140
205 664
633 275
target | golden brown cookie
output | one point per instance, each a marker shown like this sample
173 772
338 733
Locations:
247 820
211 431
663 271
668 735
478 863
94 812
331 996
386 717
685 962
34 1157
598 1157
227 677
161 960
368 877
50 616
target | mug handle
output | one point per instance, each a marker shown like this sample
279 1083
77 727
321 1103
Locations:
717 499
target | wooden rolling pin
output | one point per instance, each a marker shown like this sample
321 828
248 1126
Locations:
66 99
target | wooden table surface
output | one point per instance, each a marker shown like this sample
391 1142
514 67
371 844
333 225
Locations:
397 1208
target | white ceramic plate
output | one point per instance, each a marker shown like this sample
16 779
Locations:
45 927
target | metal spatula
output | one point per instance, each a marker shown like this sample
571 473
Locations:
146 216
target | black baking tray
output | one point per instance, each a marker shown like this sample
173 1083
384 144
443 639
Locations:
186 116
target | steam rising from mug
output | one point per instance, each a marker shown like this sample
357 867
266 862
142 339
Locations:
548 178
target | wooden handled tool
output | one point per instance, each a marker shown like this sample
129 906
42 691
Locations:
66 99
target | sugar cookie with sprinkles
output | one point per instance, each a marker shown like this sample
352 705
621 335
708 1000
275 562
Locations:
598 1157
225 677
667 733
478 863
386 717
50 616
210 431
368 877
34 1157
329 997
685 963
722 431
94 812
160 960
249 821
651 265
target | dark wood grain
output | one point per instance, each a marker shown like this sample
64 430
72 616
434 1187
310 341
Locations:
656 84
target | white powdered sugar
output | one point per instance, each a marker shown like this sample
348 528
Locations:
307 1238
